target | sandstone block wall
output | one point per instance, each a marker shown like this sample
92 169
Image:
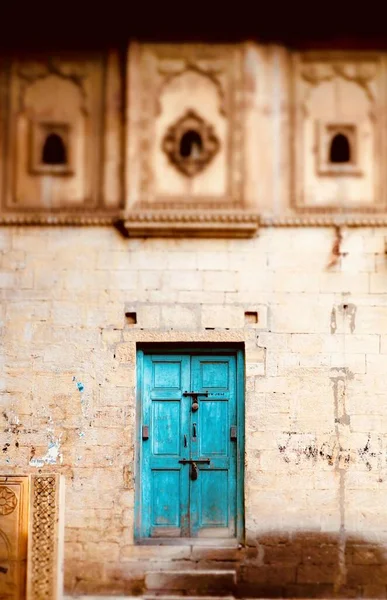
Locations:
315 393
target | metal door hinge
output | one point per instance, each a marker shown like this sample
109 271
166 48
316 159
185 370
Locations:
145 432
233 433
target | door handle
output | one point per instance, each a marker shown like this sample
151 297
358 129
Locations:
194 435
194 395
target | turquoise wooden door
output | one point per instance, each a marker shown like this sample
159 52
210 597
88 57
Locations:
189 484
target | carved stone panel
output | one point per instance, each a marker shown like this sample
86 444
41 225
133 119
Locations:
53 133
190 144
339 131
13 536
185 138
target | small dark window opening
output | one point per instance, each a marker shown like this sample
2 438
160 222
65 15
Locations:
131 318
251 317
54 150
340 151
191 144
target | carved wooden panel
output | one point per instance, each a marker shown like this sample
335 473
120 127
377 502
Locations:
53 131
45 539
185 139
339 140
13 536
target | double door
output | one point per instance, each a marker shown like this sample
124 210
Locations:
188 446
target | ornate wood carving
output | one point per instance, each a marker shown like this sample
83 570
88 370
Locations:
8 500
13 536
45 540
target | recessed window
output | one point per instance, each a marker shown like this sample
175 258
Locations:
191 144
251 317
337 149
131 318
51 148
54 150
340 150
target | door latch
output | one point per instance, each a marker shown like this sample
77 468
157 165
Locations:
194 396
189 461
194 471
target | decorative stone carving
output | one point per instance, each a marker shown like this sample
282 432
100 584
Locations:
190 223
190 144
45 540
54 133
339 137
171 223
175 83
8 500
321 69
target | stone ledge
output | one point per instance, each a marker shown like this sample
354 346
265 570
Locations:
324 220
58 218
172 223
190 223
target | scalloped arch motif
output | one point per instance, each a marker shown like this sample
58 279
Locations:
360 73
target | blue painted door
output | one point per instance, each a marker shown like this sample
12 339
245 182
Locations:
188 455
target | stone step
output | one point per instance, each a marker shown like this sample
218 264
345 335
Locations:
191 582
186 597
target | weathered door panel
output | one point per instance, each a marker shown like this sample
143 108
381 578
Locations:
185 500
213 494
164 484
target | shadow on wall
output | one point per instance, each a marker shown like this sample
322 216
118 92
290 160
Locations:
313 565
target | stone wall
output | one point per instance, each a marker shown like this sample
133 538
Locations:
316 445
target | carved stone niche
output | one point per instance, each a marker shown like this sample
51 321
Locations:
185 141
60 134
339 140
